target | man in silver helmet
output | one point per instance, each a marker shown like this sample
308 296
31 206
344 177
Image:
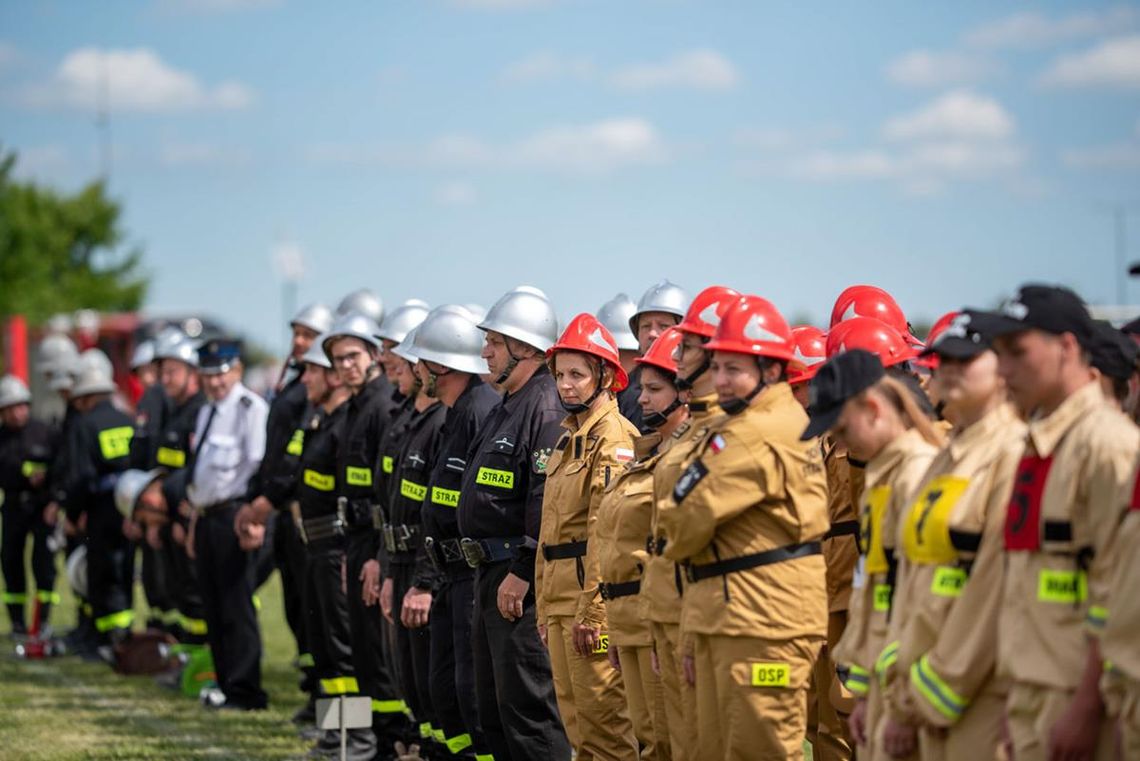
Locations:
660 307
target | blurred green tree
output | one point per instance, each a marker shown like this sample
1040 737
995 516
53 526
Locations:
61 252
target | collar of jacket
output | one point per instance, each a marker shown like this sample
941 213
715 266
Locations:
1045 433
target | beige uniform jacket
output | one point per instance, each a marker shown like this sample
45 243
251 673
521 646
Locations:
1061 515
1120 641
890 481
752 486
944 618
585 460
840 553
623 524
660 598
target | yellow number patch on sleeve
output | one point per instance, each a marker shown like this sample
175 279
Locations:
771 675
926 533
603 645
871 528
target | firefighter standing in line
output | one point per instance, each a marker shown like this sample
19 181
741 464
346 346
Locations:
1079 456
876 419
829 701
272 486
352 347
598 442
322 530
178 375
660 307
102 451
27 447
449 345
412 575
747 516
624 521
500 509
661 586
941 695
229 442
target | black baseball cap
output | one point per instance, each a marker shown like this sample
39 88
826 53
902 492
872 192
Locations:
839 379
1112 352
1049 308
1131 328
968 335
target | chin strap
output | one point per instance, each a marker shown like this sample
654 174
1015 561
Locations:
686 383
655 419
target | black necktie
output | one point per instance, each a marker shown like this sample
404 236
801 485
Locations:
205 433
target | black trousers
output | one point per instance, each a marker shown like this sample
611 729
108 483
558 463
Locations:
371 653
326 609
185 594
156 585
291 558
413 656
514 686
452 670
20 522
227 591
110 571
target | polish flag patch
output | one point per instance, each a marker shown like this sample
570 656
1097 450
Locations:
623 455
717 444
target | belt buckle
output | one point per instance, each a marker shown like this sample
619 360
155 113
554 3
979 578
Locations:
690 573
603 590
377 517
456 551
429 548
401 536
473 552
389 538
342 509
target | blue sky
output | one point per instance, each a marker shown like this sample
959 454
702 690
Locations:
452 149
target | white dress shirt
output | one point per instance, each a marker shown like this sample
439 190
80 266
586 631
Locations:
232 450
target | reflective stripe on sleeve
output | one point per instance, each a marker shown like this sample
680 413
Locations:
939 694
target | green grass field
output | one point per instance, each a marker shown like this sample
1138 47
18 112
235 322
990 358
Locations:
60 709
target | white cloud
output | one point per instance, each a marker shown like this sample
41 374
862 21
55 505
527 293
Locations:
696 69
501 5
830 165
547 66
455 193
136 80
956 115
201 154
927 68
1111 63
1116 156
595 148
1034 30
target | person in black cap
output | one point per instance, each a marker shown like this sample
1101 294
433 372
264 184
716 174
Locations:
940 687
1079 456
229 442
876 417
1114 358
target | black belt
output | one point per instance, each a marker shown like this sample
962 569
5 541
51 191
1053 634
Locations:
567 551
399 537
695 573
218 506
356 513
965 541
446 555
843 528
324 527
479 552
622 589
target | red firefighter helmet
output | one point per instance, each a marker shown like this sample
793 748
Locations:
871 301
871 335
708 309
586 335
930 361
809 347
753 326
663 353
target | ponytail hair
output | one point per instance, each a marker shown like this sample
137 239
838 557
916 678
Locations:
902 399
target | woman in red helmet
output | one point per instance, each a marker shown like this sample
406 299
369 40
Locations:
571 613
746 519
623 523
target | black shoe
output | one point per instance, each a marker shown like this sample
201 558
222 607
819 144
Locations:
306 714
